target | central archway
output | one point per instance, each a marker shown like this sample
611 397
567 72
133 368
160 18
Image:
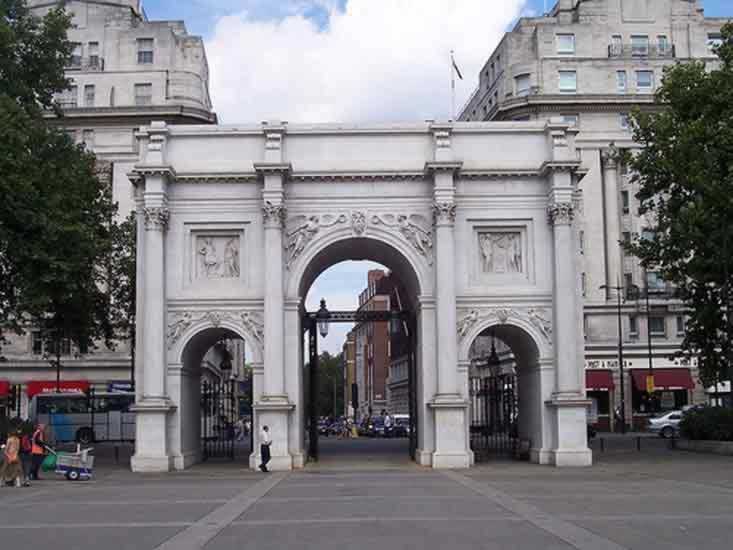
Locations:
406 264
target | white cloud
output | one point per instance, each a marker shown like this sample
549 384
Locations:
377 60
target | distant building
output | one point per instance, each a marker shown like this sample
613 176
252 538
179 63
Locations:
125 72
591 63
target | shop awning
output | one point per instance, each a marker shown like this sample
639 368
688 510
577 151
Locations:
4 388
664 379
598 380
67 386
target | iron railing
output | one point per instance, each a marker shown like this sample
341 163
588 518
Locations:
650 51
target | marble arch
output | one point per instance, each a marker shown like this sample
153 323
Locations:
235 223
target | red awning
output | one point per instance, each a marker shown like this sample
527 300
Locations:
598 380
664 379
67 386
4 388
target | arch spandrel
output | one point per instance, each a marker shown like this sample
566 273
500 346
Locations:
532 325
189 325
380 244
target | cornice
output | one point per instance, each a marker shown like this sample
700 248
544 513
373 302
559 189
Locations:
263 168
571 166
450 166
213 177
137 112
397 175
153 170
506 173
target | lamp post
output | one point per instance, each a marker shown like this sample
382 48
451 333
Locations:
618 290
650 377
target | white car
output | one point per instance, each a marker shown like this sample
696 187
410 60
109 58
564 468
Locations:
665 424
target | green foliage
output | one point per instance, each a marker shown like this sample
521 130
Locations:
123 275
709 423
685 174
330 376
55 214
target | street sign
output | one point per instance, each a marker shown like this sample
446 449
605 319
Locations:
650 383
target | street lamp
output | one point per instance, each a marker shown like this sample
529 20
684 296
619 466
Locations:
618 290
493 362
650 377
322 317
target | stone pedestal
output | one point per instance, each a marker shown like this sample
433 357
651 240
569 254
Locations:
571 435
451 446
151 444
274 415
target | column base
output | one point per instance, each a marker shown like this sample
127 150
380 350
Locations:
571 431
186 460
151 435
149 464
273 411
451 442
423 457
541 456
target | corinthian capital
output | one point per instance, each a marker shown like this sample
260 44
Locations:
560 213
274 214
156 218
610 156
444 212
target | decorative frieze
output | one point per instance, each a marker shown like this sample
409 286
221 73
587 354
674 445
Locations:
156 218
180 321
540 318
217 256
411 228
501 252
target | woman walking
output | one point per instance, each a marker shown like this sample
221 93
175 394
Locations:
11 470
37 451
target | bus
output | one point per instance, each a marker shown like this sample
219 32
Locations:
82 418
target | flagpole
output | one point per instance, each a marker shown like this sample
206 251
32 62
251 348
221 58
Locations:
452 88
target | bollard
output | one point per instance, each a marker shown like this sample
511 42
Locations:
603 445
638 443
117 454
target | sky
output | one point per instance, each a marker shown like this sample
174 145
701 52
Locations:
356 61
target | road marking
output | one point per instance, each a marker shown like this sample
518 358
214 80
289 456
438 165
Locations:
368 519
116 525
197 535
576 536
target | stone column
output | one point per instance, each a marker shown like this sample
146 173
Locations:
609 160
449 407
153 403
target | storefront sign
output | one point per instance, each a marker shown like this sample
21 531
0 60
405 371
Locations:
120 387
4 388
36 387
650 383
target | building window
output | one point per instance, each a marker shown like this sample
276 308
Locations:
89 95
492 72
76 53
143 94
680 325
88 138
626 238
69 98
621 82
521 83
145 51
644 81
625 201
41 346
581 241
648 234
570 119
656 325
565 44
663 44
93 55
624 121
715 39
654 282
617 45
568 81
633 326
628 281
640 45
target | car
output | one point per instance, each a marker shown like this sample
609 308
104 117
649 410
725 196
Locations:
401 426
666 424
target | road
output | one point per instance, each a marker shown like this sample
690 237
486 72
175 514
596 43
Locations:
364 495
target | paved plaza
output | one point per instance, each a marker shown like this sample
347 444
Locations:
366 494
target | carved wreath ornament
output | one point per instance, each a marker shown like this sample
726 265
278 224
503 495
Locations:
538 317
301 230
250 321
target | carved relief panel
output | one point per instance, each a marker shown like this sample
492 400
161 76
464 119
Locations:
501 255
217 256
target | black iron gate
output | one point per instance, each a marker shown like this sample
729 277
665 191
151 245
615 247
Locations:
219 410
494 411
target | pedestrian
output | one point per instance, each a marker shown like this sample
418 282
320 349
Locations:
265 442
11 470
26 458
38 450
387 425
239 429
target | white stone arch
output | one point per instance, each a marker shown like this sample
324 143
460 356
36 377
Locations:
389 248
487 320
254 344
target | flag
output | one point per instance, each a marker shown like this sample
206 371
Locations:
455 67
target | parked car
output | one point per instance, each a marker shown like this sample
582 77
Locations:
665 424
401 426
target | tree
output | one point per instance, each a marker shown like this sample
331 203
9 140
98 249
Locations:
685 177
330 396
122 270
55 214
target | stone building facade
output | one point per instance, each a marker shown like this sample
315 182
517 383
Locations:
125 72
590 62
